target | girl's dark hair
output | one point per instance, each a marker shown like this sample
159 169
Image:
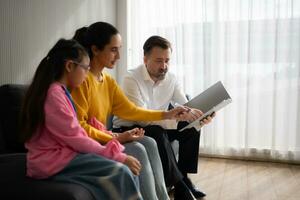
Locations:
156 41
98 34
50 69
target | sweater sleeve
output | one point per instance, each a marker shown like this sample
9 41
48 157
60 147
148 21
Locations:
124 108
81 97
69 132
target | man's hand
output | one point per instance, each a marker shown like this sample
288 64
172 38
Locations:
131 135
207 119
133 164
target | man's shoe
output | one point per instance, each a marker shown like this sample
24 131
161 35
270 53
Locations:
182 192
183 196
195 191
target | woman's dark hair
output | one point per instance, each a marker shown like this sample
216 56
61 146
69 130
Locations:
156 41
50 69
98 34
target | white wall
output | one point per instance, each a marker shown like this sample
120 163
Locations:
29 28
122 26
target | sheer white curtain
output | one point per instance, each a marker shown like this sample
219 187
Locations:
253 47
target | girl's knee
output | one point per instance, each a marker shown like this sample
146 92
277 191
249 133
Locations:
124 169
127 174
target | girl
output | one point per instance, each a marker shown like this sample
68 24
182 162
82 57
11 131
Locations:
58 147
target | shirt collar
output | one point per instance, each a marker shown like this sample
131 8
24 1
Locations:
146 74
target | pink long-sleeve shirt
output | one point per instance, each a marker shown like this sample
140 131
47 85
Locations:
61 138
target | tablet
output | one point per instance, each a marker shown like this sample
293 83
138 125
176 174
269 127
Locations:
211 100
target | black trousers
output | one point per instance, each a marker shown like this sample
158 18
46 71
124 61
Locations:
188 150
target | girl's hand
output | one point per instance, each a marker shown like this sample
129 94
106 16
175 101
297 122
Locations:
133 164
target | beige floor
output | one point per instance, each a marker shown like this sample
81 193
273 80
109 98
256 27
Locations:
223 179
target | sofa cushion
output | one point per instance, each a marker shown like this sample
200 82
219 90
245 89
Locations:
13 175
11 96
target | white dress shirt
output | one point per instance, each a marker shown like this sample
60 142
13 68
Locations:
144 92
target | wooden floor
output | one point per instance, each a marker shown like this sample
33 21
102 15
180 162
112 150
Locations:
223 179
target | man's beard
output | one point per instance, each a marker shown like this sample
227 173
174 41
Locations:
161 74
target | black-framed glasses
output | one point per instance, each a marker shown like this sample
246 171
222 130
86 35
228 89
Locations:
85 67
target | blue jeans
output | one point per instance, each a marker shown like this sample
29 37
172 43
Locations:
152 183
104 178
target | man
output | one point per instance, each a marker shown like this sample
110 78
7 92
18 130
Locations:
151 86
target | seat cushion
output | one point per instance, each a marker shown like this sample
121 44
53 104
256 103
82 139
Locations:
15 185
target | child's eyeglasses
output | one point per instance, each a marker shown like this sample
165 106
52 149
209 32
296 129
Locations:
85 67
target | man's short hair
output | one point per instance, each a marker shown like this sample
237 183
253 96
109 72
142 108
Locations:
156 41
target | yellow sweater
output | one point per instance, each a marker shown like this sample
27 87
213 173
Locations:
101 99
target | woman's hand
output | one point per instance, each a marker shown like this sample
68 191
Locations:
183 113
191 115
133 164
176 113
131 135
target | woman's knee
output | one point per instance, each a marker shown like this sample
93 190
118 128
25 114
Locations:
149 143
136 149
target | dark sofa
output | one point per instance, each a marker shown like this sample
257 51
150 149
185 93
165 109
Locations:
14 185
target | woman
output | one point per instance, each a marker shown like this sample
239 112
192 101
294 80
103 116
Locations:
58 147
100 96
